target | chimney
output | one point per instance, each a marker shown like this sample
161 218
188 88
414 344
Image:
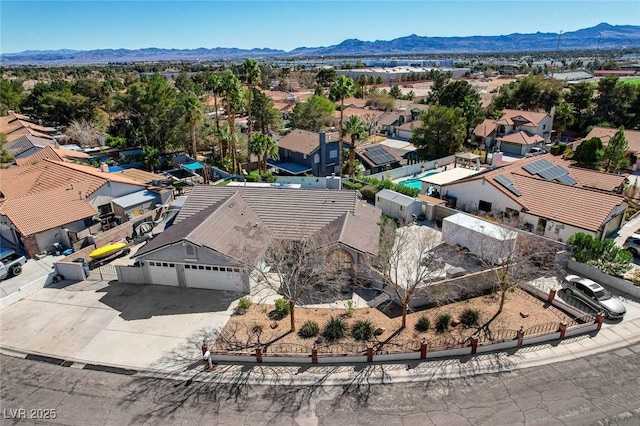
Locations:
323 153
104 167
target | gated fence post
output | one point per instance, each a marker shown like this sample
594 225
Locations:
314 354
474 345
563 329
599 320
520 336
552 295
423 348
259 354
369 353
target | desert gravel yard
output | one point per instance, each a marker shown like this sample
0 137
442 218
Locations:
255 326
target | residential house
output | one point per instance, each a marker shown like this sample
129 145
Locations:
56 202
53 153
516 132
547 194
26 145
369 117
605 134
302 152
377 158
16 125
221 230
405 131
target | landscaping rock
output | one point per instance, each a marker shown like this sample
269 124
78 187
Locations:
455 323
523 315
274 325
379 331
319 340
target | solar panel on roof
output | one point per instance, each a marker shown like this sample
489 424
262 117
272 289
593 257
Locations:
379 155
508 184
567 180
548 174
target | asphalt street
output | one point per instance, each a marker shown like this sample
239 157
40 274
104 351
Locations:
600 390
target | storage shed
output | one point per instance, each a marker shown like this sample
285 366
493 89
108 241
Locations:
398 206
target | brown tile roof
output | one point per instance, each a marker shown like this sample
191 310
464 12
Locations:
47 153
605 135
141 176
388 118
47 174
583 208
485 129
360 112
359 231
302 141
354 102
529 118
25 143
522 138
410 125
431 200
26 131
47 209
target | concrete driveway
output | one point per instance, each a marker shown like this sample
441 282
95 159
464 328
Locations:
138 326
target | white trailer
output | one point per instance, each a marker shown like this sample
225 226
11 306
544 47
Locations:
488 241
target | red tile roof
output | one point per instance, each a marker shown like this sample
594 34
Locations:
522 138
529 118
605 134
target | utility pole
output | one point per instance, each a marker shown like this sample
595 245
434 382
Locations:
555 59
595 58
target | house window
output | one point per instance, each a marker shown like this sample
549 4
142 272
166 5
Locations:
164 265
484 206
236 269
544 126
304 156
542 225
208 268
152 263
316 159
171 265
190 251
333 153
512 213
214 268
201 267
187 266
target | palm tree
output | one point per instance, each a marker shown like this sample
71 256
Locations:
563 118
193 110
263 147
150 157
214 85
357 130
233 103
340 89
251 75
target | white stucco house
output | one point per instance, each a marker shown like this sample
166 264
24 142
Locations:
398 206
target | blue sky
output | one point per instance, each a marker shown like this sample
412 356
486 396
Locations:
85 25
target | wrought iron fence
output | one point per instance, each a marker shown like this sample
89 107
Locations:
287 348
497 336
444 342
346 348
582 321
539 329
396 346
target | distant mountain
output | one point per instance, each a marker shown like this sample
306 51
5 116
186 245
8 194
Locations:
603 35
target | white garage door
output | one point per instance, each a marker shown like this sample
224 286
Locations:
511 148
163 273
213 277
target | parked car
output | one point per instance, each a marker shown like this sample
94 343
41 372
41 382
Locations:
535 151
633 244
10 263
594 295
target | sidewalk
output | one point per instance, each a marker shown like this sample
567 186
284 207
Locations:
624 337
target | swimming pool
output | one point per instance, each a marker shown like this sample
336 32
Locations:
415 182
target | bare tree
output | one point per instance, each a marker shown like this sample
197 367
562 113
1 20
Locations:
310 268
407 262
85 132
371 121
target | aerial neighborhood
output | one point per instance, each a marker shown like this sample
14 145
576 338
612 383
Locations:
317 211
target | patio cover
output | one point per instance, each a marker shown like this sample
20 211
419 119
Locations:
293 168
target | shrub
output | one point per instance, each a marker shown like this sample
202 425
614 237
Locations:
309 329
244 303
423 324
335 328
362 330
602 254
369 191
443 321
470 317
282 307
351 308
351 185
256 329
268 177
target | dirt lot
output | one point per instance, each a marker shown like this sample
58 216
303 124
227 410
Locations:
242 331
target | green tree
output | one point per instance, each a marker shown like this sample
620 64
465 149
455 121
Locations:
251 76
5 157
562 118
357 130
193 116
442 131
616 151
11 95
615 101
263 147
312 114
234 103
214 85
342 88
456 93
57 105
395 92
150 157
580 96
589 153
440 80
326 76
266 117
602 254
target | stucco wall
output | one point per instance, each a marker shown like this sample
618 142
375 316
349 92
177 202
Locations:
599 276
469 194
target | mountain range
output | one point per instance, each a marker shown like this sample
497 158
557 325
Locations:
603 36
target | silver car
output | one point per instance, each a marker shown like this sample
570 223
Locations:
594 295
633 244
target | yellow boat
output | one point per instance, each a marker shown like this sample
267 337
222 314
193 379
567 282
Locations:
108 250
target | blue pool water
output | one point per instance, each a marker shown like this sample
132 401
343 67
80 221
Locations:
416 182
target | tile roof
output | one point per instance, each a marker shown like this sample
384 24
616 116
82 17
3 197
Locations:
527 118
605 135
570 204
228 226
388 118
47 174
26 131
486 128
47 209
522 138
354 102
25 143
359 231
141 176
360 112
410 125
47 153
290 213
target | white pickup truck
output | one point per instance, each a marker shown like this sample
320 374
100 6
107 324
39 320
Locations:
10 263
